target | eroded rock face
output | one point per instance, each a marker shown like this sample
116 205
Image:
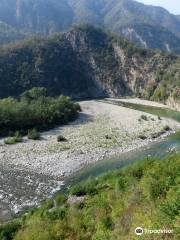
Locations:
148 36
113 68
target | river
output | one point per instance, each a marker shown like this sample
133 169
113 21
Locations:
20 188
158 149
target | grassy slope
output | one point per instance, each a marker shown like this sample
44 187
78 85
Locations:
145 194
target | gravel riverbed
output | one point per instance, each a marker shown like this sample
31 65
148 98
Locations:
101 130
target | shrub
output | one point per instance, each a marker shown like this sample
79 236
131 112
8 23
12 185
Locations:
17 138
33 134
77 107
89 187
107 222
80 205
143 137
60 138
60 199
48 204
9 141
166 128
171 205
7 232
144 117
157 189
59 213
137 172
108 137
158 134
121 184
34 94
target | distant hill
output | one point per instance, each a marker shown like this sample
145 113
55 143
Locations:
153 27
148 36
8 34
37 16
88 62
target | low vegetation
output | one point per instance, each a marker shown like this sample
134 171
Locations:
144 194
143 137
166 128
144 117
35 111
60 138
16 138
33 134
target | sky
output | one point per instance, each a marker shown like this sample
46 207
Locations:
172 6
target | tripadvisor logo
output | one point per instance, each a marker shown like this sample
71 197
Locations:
138 231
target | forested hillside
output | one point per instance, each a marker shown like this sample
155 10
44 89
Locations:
88 62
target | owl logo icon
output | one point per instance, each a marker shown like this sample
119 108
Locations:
139 231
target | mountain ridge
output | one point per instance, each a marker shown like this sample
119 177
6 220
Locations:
49 16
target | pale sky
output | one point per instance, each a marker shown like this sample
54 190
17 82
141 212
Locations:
172 6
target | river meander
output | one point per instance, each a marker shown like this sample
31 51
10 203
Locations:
159 149
21 188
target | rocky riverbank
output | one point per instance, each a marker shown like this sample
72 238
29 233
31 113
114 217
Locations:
101 130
